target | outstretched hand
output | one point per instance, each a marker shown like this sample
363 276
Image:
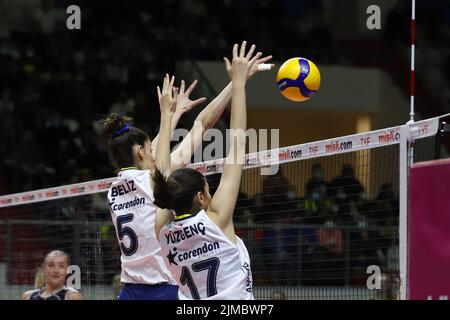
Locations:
168 96
242 63
184 103
255 69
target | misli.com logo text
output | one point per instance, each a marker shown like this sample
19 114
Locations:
77 190
6 201
389 137
207 168
102 186
290 154
28 197
338 146
50 194
252 161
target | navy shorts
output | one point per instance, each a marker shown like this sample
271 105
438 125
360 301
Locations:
135 291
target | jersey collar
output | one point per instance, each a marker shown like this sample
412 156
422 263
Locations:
128 168
185 216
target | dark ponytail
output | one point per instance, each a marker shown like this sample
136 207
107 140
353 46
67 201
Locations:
177 192
161 191
123 137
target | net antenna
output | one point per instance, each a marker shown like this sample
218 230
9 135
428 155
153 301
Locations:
413 40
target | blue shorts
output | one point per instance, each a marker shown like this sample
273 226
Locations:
135 291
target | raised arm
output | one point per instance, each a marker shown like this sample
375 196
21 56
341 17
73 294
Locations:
224 200
167 102
184 104
206 120
167 106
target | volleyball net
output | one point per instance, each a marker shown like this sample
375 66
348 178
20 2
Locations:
329 223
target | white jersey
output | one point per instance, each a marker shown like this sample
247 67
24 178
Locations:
133 213
205 262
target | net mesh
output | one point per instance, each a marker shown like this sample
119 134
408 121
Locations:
313 230
80 226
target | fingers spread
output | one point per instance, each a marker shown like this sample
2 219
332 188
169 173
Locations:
250 52
263 60
227 63
198 101
235 50
159 92
165 84
191 87
242 53
182 87
256 57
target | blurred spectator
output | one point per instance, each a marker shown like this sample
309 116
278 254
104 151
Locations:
316 183
54 269
387 206
243 212
329 256
344 190
366 246
31 162
316 200
347 180
364 206
331 237
277 202
6 104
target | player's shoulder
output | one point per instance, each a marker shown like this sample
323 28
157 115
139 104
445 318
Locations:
209 216
27 294
130 180
71 289
133 172
138 177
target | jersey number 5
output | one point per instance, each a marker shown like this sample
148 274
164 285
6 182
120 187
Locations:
212 265
127 231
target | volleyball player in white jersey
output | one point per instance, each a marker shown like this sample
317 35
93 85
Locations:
131 197
130 200
200 247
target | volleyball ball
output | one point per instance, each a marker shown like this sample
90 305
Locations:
298 79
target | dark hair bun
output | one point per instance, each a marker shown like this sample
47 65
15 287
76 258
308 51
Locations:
114 122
